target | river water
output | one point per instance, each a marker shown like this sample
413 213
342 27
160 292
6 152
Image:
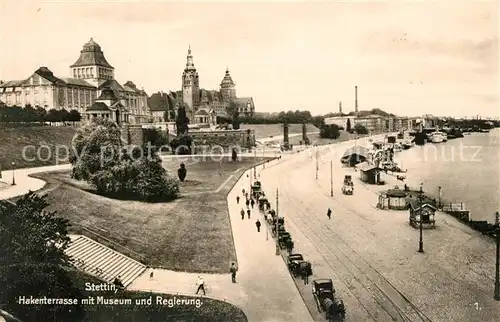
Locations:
467 169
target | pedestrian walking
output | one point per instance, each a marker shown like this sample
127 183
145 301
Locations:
307 273
233 272
247 203
118 282
237 199
329 213
201 285
248 212
151 275
257 223
243 191
252 202
242 214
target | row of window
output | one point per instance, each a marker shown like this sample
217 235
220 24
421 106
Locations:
89 72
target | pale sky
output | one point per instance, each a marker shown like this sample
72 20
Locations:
407 57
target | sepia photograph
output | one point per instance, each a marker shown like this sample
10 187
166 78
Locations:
249 161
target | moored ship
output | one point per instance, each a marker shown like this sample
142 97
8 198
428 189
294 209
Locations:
438 137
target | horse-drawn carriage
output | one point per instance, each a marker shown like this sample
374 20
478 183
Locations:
293 260
298 266
348 186
264 203
256 189
326 300
280 225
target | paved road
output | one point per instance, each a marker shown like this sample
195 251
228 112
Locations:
371 254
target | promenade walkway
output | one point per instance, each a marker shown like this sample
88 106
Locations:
264 288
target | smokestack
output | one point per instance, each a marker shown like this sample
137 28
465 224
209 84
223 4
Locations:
340 107
356 99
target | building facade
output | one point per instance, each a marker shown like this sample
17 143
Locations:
45 90
196 98
374 123
91 73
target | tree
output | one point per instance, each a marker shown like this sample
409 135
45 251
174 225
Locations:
74 116
235 115
360 129
155 137
53 115
33 262
182 121
348 126
41 113
99 157
182 143
331 131
236 120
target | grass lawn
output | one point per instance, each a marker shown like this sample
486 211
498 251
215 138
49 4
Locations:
192 309
14 140
190 234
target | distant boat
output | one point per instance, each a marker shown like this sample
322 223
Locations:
454 133
355 155
438 137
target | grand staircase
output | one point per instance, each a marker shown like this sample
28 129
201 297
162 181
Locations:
103 262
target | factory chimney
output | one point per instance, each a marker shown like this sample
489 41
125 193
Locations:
340 107
356 99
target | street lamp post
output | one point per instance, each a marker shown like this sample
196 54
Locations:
439 197
250 190
317 163
331 178
421 241
13 177
255 158
497 262
277 232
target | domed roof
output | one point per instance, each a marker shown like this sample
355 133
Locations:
91 45
91 55
227 81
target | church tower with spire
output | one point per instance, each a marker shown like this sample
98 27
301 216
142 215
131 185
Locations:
190 85
227 90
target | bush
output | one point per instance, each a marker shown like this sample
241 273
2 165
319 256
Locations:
155 137
153 183
181 144
360 129
329 131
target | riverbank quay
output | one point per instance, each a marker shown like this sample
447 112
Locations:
372 254
466 169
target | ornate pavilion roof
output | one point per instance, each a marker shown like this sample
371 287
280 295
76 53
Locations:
107 94
227 81
98 106
91 55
